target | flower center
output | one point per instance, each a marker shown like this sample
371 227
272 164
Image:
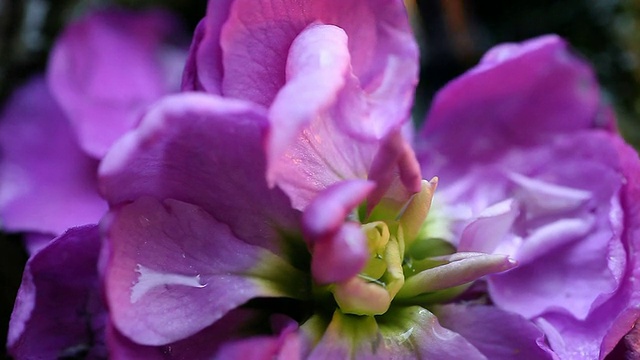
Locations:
391 227
409 263
373 289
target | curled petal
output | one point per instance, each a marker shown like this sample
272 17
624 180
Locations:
312 64
308 145
555 280
489 230
547 238
394 159
326 214
543 137
574 259
341 256
542 198
317 67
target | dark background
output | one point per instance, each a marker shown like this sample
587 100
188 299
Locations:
453 35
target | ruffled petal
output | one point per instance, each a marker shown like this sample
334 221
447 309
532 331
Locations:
519 96
571 257
107 68
47 184
206 151
277 54
608 322
58 311
251 40
310 145
543 138
326 120
496 333
569 237
172 263
489 229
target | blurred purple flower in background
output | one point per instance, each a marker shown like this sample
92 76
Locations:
276 208
48 183
108 67
105 69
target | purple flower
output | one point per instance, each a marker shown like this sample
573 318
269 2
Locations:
301 198
531 166
279 210
221 239
105 69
